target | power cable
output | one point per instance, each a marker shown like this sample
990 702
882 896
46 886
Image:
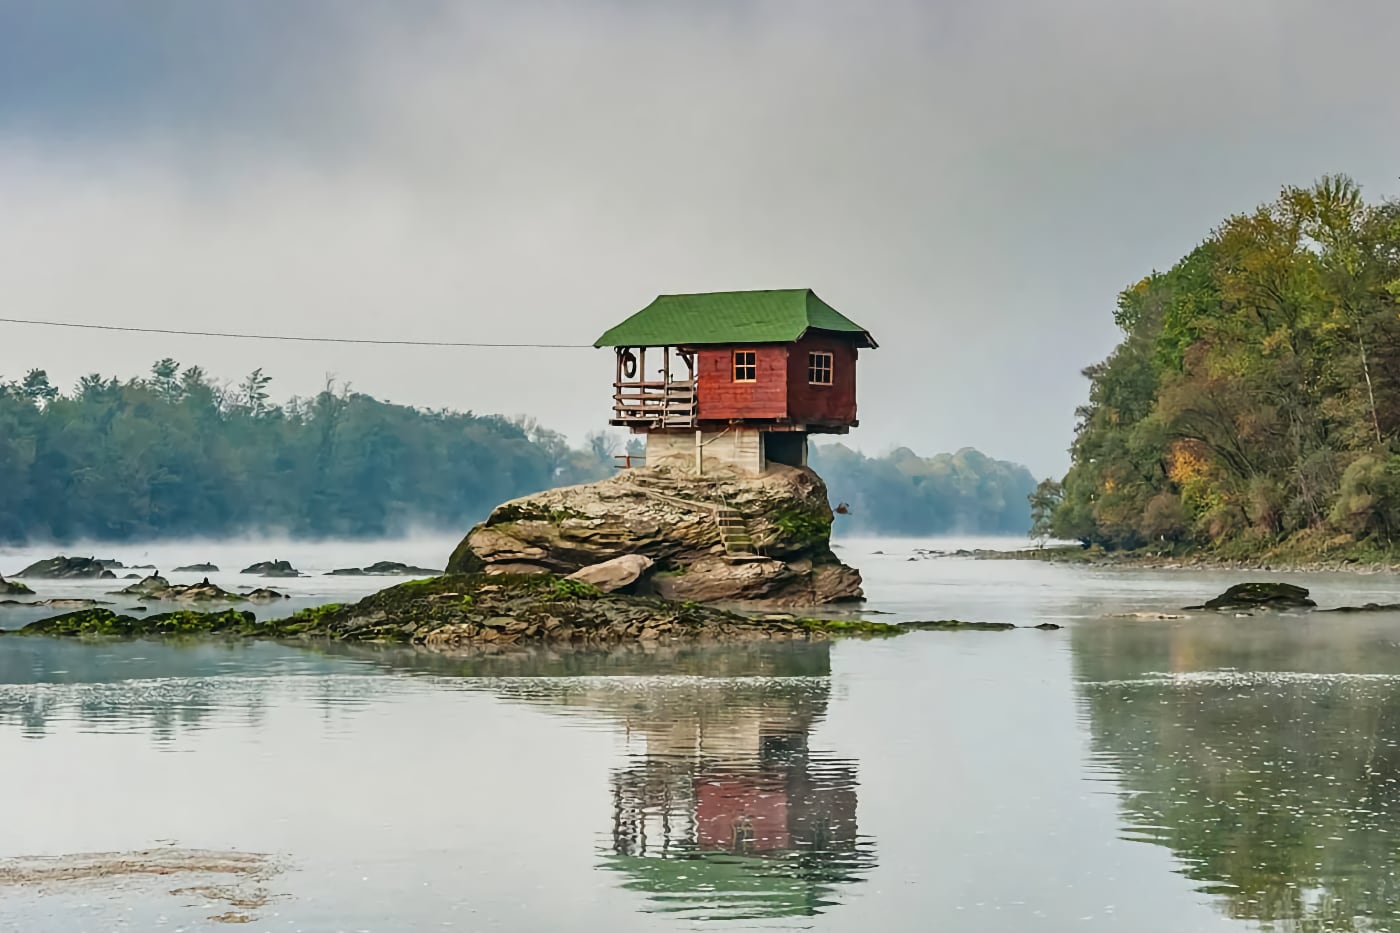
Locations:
291 337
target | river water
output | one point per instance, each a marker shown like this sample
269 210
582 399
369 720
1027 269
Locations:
1123 773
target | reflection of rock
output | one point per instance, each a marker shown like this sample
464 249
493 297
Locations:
714 538
1247 596
272 568
722 808
616 574
67 568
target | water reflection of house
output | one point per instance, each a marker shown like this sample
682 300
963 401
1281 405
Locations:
736 817
722 810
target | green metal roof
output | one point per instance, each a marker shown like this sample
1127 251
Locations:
772 316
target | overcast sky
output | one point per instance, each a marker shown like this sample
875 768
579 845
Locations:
972 181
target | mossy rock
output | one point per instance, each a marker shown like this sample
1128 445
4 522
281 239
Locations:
1247 596
958 625
107 622
14 588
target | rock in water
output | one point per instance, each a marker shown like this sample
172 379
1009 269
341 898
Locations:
392 568
272 568
11 588
68 568
71 603
383 568
150 586
196 568
203 591
616 574
263 595
1246 596
154 587
719 537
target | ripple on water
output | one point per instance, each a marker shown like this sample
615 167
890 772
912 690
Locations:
1277 790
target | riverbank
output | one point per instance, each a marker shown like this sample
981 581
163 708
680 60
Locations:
1290 557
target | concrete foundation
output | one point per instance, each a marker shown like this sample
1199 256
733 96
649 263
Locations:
746 450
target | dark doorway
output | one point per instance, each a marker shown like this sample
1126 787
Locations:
787 447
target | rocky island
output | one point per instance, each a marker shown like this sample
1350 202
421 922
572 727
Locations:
460 610
724 537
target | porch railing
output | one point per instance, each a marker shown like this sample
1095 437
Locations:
654 404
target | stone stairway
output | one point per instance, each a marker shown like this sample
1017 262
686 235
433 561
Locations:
734 533
733 530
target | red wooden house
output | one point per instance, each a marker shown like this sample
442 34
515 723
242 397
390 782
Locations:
735 378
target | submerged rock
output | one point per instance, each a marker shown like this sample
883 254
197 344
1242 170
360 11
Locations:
12 588
1368 607
196 568
264 595
272 568
384 568
67 568
616 574
722 537
1247 596
72 603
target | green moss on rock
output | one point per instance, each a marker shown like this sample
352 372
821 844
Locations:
802 527
106 622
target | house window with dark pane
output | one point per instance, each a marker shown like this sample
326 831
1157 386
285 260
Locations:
745 365
819 369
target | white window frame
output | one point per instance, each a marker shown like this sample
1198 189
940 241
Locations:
815 359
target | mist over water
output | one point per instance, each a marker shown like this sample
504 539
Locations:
1136 774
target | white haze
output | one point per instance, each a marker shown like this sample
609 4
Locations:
973 182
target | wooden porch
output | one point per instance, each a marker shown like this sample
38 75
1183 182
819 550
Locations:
657 400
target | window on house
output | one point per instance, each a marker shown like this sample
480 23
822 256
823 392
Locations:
819 369
745 365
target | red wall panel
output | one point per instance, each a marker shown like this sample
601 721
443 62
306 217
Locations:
822 404
723 399
781 392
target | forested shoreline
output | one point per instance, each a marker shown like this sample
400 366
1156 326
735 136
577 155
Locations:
177 454
1253 405
901 493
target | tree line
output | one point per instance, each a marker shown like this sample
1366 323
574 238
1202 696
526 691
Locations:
1255 397
905 494
174 453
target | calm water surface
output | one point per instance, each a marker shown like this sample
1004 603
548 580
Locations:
1123 774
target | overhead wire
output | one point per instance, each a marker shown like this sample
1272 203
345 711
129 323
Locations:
299 338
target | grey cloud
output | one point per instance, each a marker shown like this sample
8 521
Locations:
974 182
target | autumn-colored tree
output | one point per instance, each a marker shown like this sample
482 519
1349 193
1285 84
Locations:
1252 378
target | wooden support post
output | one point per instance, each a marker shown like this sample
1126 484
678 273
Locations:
699 452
